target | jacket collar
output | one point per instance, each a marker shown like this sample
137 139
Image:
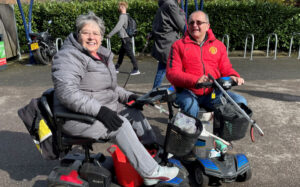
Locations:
209 37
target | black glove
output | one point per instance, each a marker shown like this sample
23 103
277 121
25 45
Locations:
133 97
109 118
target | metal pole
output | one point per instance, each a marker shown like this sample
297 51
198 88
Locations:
291 44
31 59
268 45
252 46
133 46
299 53
186 9
201 4
59 42
30 16
24 20
183 3
227 43
236 105
108 44
196 4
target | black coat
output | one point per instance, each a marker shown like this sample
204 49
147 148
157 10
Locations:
168 23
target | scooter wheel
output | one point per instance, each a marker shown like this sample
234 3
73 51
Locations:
244 177
200 178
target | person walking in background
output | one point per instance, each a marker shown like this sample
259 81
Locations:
168 23
126 46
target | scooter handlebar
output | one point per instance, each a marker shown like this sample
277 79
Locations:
203 85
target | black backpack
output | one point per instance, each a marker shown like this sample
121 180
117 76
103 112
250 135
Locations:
39 129
131 29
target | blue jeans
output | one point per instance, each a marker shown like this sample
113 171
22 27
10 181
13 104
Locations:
189 102
160 74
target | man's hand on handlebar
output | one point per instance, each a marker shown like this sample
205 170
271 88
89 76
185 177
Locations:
239 81
203 79
203 82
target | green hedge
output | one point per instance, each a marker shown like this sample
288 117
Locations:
235 18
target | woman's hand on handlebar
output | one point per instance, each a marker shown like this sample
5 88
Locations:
239 80
133 103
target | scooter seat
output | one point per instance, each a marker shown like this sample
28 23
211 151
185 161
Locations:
76 140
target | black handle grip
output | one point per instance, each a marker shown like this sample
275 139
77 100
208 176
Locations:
203 85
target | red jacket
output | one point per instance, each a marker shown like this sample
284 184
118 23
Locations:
188 61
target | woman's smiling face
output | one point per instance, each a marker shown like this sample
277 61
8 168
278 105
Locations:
90 36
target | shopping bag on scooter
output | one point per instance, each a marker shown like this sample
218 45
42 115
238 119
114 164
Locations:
126 175
183 134
230 124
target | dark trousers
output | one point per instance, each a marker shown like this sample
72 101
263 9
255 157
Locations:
126 47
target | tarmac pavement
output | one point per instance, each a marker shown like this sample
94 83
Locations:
272 89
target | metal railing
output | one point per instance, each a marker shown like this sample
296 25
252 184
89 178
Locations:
252 46
58 43
268 45
133 46
227 43
108 44
291 44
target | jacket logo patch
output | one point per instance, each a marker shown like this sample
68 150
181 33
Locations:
213 50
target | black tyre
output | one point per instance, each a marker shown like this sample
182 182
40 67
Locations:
41 56
200 178
244 177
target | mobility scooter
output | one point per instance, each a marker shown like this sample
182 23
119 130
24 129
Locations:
77 169
230 122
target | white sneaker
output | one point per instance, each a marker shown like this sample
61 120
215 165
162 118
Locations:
163 173
135 72
214 153
117 71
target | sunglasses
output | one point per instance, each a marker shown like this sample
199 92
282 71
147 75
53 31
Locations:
197 22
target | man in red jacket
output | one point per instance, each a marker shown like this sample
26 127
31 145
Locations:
192 58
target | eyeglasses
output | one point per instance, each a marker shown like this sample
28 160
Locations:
197 22
86 33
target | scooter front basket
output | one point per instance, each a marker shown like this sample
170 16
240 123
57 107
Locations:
180 141
229 124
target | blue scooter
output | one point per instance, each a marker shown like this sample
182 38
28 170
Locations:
225 167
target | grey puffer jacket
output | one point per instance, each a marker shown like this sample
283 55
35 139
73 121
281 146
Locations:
82 83
168 23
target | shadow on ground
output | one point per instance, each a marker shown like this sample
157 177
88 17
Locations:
20 151
272 95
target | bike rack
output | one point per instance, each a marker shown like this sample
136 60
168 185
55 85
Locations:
227 43
291 44
58 43
133 46
252 45
268 45
108 44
